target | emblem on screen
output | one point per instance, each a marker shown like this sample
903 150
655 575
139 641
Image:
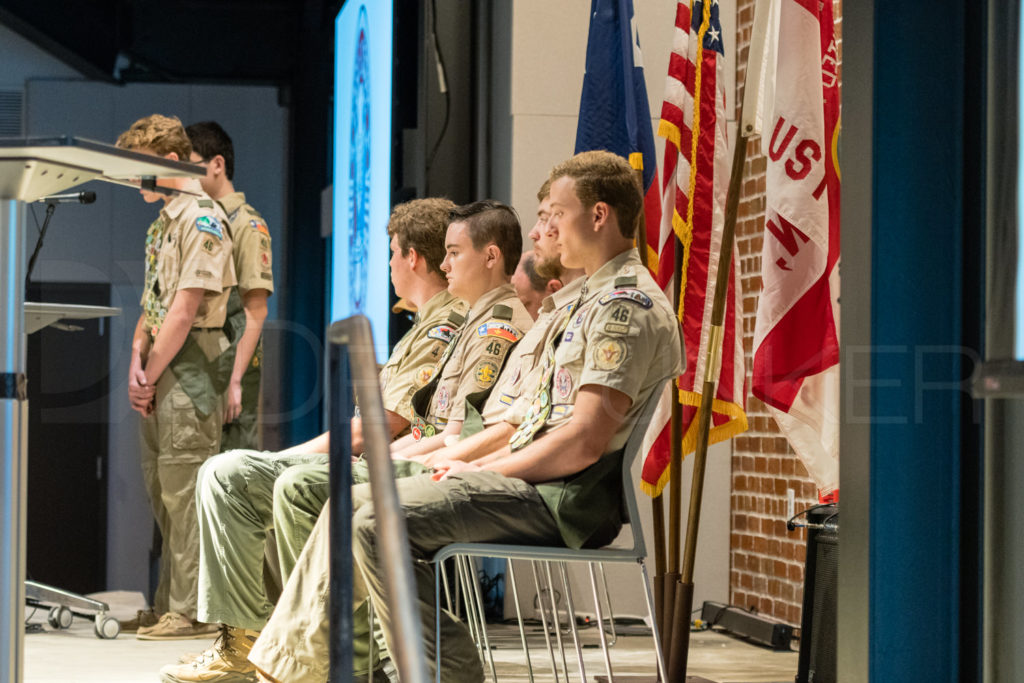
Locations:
359 162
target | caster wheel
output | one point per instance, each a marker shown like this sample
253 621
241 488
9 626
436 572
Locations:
60 617
106 627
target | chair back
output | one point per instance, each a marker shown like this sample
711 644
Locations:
633 447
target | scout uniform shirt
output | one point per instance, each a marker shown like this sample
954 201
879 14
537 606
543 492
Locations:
495 322
625 336
505 403
415 357
250 241
187 247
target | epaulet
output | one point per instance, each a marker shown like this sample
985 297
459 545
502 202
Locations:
625 281
456 318
205 203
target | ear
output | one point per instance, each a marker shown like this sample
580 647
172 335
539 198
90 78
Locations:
553 286
413 258
217 163
601 213
493 255
173 156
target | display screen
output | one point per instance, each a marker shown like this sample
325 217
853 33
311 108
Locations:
360 282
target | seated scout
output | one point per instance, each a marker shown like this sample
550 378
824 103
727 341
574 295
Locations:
235 489
618 343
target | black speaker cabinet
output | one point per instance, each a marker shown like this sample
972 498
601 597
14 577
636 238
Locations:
817 661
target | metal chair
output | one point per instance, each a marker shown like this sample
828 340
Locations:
635 553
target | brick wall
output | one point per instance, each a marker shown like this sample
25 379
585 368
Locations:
766 560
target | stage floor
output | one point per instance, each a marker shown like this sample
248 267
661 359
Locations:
77 655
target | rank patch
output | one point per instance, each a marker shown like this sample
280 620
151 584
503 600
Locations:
485 372
634 295
210 225
423 374
443 332
609 354
563 383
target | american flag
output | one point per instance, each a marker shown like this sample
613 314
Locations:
696 179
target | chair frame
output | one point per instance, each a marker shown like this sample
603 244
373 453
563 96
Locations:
637 554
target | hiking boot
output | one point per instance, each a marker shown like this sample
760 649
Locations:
225 662
174 626
143 618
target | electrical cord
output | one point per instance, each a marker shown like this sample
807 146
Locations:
442 83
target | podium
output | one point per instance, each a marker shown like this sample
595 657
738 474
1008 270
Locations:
31 168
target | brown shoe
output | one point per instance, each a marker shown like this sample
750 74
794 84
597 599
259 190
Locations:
225 662
143 618
174 626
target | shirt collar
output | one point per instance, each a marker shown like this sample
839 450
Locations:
232 202
483 305
179 202
603 278
434 304
563 297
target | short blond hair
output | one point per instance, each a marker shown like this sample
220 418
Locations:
158 134
605 177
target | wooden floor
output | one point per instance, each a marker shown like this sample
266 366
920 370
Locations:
77 655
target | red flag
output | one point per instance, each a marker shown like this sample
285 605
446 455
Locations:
796 340
696 179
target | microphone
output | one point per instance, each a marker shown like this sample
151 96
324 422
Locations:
87 197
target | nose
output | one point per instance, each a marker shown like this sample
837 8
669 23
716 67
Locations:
445 267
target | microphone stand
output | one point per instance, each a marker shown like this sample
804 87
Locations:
50 208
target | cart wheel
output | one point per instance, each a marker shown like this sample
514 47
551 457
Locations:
60 617
106 627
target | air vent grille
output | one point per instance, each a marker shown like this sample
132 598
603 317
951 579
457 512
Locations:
10 113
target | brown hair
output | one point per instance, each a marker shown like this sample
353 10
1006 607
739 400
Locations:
491 222
544 191
158 134
605 177
538 282
420 224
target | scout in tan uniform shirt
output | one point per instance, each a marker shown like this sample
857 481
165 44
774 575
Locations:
247 306
517 496
483 245
174 379
237 491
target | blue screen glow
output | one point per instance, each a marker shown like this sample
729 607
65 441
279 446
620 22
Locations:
363 51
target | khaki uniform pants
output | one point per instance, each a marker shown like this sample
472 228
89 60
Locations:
472 507
235 501
176 441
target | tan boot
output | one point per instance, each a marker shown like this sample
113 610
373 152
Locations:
144 618
225 662
174 626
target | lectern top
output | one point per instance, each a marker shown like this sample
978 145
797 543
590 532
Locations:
34 167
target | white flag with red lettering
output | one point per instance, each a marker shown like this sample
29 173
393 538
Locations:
796 339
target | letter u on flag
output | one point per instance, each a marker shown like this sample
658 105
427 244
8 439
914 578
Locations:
696 180
796 339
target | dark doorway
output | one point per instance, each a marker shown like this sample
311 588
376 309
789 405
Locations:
68 389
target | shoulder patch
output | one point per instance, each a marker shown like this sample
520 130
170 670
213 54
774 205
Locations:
210 225
443 332
627 294
259 226
500 329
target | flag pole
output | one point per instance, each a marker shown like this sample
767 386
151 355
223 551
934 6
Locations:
712 367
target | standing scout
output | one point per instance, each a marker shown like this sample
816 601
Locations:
247 305
176 350
236 490
561 483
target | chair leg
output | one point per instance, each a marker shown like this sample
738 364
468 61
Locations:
572 621
481 614
447 590
437 620
558 621
519 617
544 619
600 620
472 621
658 653
608 601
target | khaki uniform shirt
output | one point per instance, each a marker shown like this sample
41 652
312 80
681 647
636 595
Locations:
494 323
194 251
415 357
250 240
524 362
623 335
